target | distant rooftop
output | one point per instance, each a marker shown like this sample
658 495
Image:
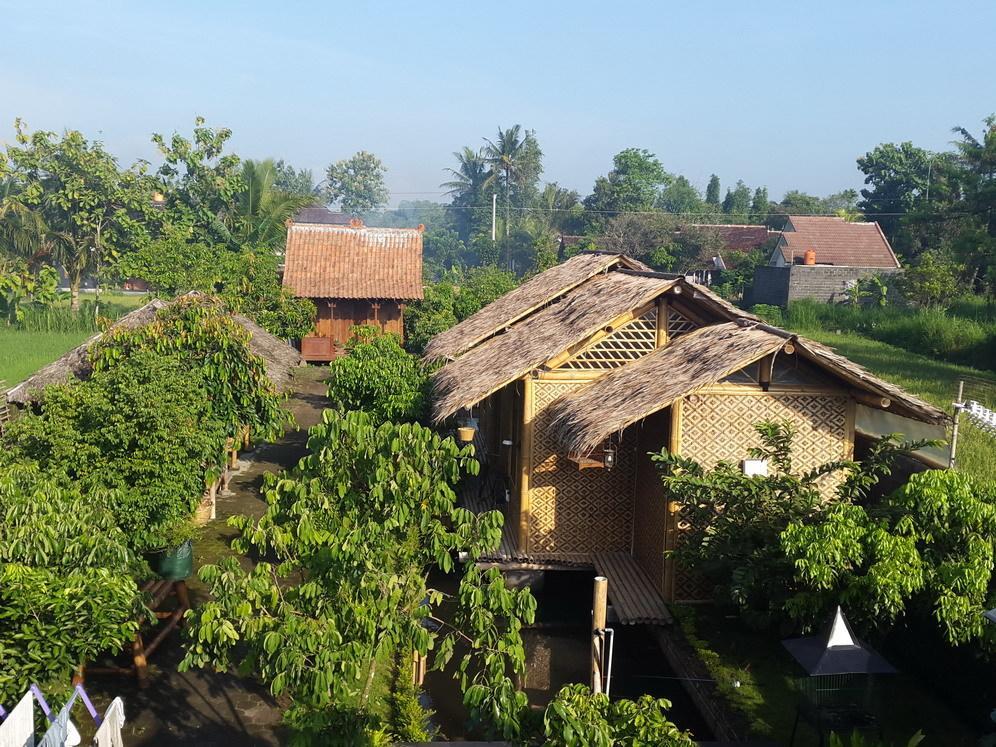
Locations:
316 214
836 242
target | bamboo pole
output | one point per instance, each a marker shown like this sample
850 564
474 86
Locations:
954 428
600 598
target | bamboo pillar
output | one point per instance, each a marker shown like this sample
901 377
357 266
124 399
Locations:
662 314
525 462
599 602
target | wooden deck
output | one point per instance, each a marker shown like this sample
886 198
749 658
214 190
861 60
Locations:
633 596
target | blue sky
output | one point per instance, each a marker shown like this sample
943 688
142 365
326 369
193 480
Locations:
783 94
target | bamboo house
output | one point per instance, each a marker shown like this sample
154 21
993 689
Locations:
571 379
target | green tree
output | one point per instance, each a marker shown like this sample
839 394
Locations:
357 183
378 377
430 315
294 181
896 175
680 197
175 263
976 174
91 208
633 185
443 251
927 548
932 281
759 205
467 187
251 286
261 208
200 182
67 593
712 192
642 235
479 287
737 202
515 162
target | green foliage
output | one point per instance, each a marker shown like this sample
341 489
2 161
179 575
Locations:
142 429
479 287
737 520
175 263
964 334
357 183
252 287
578 718
66 588
633 184
349 536
202 333
932 282
409 721
261 208
378 377
21 289
293 181
928 546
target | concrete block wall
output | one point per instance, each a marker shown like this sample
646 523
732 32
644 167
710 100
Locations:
779 286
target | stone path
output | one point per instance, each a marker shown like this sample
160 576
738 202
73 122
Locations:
201 707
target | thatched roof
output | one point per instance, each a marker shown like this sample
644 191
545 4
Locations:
278 356
518 303
584 418
501 360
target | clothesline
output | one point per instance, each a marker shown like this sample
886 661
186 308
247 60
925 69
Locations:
17 727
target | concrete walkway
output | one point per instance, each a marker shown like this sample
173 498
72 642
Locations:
203 707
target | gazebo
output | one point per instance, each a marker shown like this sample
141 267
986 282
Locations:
836 695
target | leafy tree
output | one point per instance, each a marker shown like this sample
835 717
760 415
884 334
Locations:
431 315
20 289
932 282
443 251
642 235
293 181
176 263
24 236
737 520
479 287
976 163
737 202
349 536
66 588
201 183
680 197
759 205
357 183
142 429
252 287
261 208
578 718
557 210
378 377
712 191
91 209
928 547
897 179
633 185
201 332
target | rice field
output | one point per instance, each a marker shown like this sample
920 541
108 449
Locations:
22 352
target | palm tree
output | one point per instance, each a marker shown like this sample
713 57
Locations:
22 229
261 210
505 156
467 187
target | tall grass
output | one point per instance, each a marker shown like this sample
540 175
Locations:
22 353
965 333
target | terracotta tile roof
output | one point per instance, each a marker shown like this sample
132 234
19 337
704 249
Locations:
332 261
836 242
738 237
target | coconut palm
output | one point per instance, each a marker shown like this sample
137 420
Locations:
261 210
467 189
22 229
514 159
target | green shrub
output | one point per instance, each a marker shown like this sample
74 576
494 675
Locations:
770 314
378 377
66 587
142 429
409 721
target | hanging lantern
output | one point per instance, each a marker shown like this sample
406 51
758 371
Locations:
609 456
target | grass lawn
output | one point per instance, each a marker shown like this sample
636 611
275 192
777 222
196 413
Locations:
932 380
23 353
766 672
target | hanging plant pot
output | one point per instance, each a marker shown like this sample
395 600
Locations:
465 434
173 565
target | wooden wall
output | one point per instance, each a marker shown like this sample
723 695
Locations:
336 317
650 515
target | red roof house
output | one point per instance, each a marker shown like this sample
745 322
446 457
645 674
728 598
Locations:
835 241
356 275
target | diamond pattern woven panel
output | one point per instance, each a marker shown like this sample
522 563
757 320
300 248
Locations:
571 509
721 427
678 324
628 343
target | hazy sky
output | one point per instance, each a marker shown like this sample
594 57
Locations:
783 94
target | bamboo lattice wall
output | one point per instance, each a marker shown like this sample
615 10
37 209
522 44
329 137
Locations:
574 510
718 427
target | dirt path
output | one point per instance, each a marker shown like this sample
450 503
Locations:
202 707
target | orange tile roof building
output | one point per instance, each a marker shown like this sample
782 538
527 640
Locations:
357 275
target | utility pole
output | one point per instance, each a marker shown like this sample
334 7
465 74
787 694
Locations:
494 213
953 448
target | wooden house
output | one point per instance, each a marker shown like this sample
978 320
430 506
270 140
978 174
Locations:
356 275
572 378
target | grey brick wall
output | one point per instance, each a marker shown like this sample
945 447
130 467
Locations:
780 285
